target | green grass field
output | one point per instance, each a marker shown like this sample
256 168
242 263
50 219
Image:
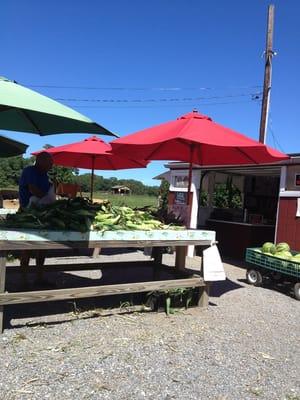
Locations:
132 200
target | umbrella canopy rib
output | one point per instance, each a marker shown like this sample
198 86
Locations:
252 161
27 116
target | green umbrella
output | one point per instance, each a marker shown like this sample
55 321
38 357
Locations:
24 110
11 148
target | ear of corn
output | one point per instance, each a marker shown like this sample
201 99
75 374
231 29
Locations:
81 215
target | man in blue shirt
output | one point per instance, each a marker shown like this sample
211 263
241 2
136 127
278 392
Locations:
35 187
34 183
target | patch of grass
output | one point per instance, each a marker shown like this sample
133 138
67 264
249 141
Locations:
292 397
19 337
133 200
257 391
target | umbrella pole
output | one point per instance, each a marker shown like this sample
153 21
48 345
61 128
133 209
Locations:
92 178
188 200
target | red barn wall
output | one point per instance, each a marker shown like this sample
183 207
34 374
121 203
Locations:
288 225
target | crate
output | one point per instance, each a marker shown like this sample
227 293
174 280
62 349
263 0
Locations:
290 268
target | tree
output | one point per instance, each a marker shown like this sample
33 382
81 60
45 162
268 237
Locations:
11 169
105 184
164 191
62 174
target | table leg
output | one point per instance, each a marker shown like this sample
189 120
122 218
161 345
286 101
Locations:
203 296
180 258
96 252
2 285
40 261
157 255
24 264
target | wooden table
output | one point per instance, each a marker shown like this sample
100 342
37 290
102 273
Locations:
11 240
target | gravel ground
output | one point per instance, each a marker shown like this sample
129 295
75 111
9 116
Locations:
244 346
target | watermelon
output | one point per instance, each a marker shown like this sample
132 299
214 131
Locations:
280 247
268 247
273 249
295 259
285 255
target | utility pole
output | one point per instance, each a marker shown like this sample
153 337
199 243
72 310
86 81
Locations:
268 76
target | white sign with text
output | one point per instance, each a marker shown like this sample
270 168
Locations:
213 269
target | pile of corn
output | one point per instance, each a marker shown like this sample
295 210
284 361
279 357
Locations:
125 218
82 215
72 215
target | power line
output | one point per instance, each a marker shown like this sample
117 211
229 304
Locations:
100 106
270 128
254 96
142 88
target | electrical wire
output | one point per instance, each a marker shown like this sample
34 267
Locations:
254 96
142 88
101 106
270 129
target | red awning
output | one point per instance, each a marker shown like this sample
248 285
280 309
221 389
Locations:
91 153
195 138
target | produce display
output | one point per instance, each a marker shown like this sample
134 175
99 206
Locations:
71 214
125 218
274 262
280 250
82 215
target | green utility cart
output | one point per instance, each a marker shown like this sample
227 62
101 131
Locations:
261 266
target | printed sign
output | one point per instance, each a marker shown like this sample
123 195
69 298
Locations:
213 269
181 181
297 179
180 198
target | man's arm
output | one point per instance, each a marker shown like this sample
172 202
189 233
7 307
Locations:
33 189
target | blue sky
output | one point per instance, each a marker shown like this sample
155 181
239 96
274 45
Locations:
204 55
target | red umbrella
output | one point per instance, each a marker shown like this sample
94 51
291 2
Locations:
91 153
195 138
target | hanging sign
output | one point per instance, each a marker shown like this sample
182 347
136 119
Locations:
180 197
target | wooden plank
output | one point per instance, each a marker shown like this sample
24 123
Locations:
94 236
45 245
96 291
2 285
180 258
85 266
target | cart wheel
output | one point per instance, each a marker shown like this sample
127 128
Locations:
297 290
254 277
